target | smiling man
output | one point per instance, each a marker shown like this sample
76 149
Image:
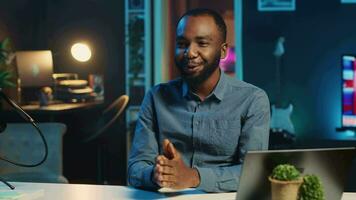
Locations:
194 131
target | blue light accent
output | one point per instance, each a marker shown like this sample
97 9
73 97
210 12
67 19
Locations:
348 74
238 39
349 112
348 98
147 52
348 1
350 58
158 41
348 90
349 133
348 62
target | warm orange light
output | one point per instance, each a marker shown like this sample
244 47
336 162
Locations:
81 52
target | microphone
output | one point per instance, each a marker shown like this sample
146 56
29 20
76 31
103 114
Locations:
29 119
18 109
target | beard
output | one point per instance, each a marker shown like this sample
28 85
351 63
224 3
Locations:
203 75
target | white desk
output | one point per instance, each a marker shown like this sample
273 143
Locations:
48 191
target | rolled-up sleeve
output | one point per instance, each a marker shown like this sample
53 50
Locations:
144 148
219 179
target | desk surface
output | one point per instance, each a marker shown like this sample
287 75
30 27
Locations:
61 106
44 191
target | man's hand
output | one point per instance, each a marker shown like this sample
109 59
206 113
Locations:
170 170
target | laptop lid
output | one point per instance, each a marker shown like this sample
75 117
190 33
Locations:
35 68
330 165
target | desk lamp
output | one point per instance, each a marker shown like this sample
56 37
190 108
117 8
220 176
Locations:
81 52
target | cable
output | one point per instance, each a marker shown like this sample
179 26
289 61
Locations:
29 119
7 183
36 164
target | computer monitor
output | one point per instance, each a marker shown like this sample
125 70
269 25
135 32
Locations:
348 91
35 68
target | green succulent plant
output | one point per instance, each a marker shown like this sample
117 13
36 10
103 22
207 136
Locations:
311 188
6 70
285 172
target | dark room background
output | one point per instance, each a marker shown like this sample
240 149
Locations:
316 35
56 25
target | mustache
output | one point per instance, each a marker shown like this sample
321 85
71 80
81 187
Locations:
188 62
193 63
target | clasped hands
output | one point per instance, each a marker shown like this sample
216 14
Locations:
170 171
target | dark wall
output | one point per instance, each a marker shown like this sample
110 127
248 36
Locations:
317 34
56 25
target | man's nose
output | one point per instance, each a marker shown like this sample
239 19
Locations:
191 52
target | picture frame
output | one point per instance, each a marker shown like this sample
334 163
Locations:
136 4
276 5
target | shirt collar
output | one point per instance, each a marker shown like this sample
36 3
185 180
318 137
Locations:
218 91
185 89
220 88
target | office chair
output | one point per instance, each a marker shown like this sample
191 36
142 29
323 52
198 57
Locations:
104 123
20 142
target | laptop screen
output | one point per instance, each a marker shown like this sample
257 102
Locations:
35 68
332 166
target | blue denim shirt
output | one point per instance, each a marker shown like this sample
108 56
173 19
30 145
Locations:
212 135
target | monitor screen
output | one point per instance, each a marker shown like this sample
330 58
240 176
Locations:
35 68
348 90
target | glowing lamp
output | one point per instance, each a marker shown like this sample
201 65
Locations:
81 52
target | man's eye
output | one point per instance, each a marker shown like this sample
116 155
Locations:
203 44
181 44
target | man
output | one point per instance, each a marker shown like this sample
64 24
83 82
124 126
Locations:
194 131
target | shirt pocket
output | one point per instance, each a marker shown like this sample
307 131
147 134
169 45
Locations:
223 136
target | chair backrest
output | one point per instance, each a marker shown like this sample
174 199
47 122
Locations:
108 117
20 142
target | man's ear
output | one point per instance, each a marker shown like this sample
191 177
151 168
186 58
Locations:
223 50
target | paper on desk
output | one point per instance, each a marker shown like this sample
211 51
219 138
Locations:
170 190
21 194
194 194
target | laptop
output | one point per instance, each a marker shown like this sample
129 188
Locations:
35 68
331 165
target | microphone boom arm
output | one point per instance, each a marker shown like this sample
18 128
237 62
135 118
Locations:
29 119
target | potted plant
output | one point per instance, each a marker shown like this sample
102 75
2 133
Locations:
6 71
136 45
285 182
311 188
7 78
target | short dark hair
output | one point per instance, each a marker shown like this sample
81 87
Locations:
219 21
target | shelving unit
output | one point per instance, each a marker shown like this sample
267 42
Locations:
137 56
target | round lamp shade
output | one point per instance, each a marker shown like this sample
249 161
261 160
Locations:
81 52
